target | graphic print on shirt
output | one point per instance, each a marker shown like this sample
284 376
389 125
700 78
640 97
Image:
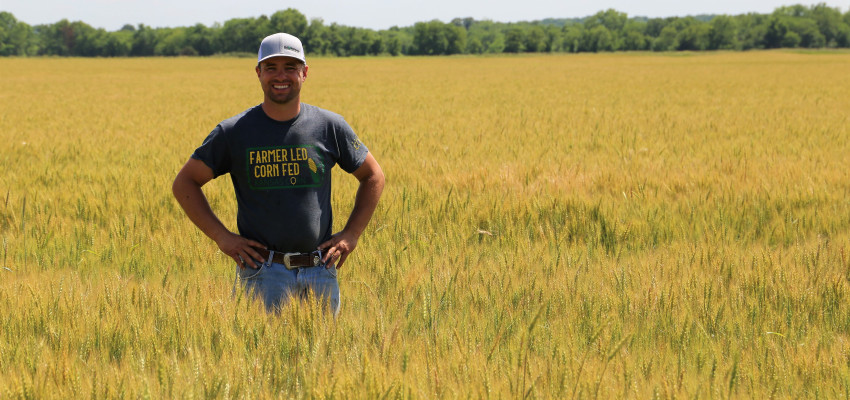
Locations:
285 167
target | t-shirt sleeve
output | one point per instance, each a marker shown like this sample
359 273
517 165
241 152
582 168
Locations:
214 152
352 152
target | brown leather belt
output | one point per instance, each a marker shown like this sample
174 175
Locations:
293 260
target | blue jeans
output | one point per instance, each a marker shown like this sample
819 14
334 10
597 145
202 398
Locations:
276 284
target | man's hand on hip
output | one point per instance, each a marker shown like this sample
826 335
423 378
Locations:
341 244
337 249
241 249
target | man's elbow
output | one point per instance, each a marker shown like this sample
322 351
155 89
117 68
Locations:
190 179
376 180
182 186
378 177
177 186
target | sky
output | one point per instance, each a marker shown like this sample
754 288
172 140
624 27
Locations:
375 14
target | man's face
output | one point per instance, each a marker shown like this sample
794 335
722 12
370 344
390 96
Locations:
281 79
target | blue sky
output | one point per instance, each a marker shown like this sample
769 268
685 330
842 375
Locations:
375 14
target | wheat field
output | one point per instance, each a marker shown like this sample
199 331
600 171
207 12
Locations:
565 226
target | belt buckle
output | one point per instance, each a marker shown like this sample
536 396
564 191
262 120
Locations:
286 259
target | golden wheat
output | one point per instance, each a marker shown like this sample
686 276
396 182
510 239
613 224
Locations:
571 226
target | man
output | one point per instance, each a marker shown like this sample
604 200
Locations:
279 155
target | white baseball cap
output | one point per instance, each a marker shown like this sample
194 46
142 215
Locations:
281 45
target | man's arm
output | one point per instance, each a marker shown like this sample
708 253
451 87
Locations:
342 243
187 190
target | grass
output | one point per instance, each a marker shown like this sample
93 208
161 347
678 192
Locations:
573 226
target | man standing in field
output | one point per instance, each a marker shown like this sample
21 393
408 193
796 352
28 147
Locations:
279 155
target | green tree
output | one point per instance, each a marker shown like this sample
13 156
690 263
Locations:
793 11
16 38
144 41
514 40
723 33
831 25
456 38
752 29
608 39
535 40
199 39
489 34
57 39
468 22
396 41
173 42
843 38
666 40
428 38
90 42
694 37
654 27
807 30
571 38
290 21
611 19
7 23
119 43
243 34
791 39
789 26
777 30
76 38
336 42
316 39
363 42
634 38
435 37
597 39
474 46
553 38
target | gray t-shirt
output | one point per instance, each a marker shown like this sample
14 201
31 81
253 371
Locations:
281 172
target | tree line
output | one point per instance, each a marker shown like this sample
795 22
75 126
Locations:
797 26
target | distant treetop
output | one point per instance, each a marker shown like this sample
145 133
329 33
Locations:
797 26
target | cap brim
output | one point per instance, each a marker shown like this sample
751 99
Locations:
281 55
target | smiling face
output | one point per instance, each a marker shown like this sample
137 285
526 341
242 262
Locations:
281 79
